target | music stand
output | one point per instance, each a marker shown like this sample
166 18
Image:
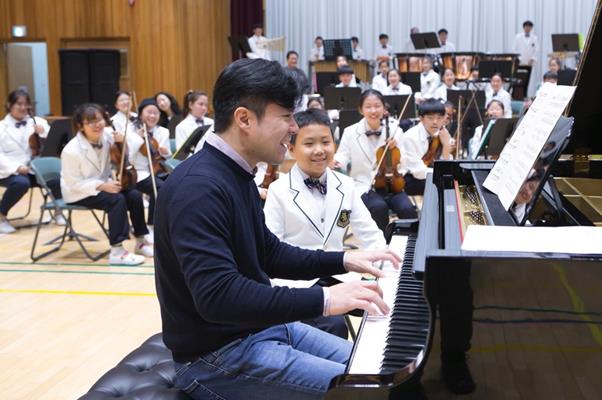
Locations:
412 79
541 169
396 103
348 118
487 68
58 136
325 79
341 98
494 142
337 47
190 143
565 42
427 40
239 44
453 96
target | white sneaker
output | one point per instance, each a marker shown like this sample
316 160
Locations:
144 249
6 227
125 258
150 237
60 220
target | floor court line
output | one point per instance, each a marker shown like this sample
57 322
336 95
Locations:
52 271
78 292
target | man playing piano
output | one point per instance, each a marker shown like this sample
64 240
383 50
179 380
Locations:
232 334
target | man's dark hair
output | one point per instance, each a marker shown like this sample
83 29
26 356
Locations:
383 36
442 30
355 39
528 23
311 116
431 106
252 83
291 52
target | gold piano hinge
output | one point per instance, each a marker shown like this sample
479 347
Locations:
581 161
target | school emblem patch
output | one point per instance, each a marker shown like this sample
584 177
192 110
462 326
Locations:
343 218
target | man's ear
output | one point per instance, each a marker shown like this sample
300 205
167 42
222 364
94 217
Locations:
244 118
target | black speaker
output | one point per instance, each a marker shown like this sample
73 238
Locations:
75 79
89 75
104 77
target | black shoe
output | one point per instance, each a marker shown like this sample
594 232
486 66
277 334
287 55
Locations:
457 376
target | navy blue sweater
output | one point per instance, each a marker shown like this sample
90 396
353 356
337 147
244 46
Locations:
214 257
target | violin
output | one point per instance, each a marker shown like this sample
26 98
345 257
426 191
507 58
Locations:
36 143
387 176
271 174
433 152
153 145
126 173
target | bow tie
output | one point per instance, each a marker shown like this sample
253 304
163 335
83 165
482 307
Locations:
494 94
527 35
395 89
375 133
19 124
313 183
96 146
200 121
384 46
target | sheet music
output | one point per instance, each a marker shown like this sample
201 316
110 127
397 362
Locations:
562 239
519 154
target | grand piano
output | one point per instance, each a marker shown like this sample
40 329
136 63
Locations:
530 322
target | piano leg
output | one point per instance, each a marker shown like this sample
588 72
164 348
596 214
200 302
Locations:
451 293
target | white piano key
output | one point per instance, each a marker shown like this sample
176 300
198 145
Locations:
370 346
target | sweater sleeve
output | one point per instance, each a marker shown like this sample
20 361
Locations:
222 290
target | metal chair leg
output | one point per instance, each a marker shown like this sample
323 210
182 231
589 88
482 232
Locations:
28 209
34 257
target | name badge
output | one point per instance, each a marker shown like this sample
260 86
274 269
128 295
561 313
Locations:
343 220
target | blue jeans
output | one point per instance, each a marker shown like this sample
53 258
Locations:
291 361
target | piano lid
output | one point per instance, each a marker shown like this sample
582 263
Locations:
585 106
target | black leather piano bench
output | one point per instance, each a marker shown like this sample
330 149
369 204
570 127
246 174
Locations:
147 373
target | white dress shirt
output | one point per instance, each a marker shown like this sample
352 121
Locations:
429 82
360 150
503 96
387 50
258 50
14 143
140 161
441 91
188 125
399 89
448 47
317 53
526 47
379 82
414 145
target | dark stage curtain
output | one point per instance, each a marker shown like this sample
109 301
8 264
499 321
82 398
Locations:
243 15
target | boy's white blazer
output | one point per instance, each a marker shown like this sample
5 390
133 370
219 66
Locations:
292 214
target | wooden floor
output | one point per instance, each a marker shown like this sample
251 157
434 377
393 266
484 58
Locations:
65 321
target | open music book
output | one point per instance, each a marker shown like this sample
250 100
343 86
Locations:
583 239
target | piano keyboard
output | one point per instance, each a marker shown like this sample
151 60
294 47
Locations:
388 343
